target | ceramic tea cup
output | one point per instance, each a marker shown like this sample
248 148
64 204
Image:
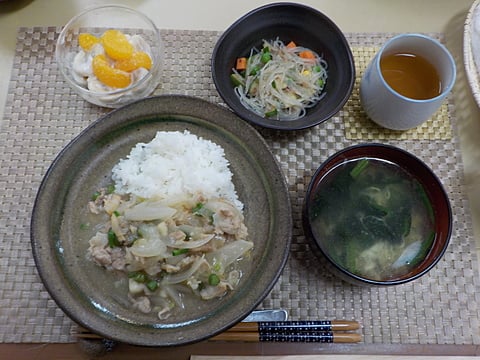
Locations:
407 81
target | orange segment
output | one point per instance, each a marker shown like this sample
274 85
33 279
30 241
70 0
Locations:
108 75
116 45
86 41
137 60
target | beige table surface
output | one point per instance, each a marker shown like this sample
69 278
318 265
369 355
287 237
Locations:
445 16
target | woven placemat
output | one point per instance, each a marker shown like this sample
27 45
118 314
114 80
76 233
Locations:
42 115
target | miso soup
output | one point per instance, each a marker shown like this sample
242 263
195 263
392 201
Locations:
373 219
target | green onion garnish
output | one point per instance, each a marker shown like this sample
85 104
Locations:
271 113
112 239
138 276
152 285
213 279
95 195
358 169
176 252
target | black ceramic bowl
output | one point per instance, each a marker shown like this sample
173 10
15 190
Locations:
349 251
306 27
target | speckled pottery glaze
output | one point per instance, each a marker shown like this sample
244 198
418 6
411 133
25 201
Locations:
87 293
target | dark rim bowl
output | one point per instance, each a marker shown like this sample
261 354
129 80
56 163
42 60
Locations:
287 21
86 292
418 170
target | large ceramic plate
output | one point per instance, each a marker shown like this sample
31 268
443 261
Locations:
86 292
468 51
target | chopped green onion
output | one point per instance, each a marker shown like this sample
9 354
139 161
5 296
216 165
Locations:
110 189
152 285
266 56
95 195
358 169
196 209
176 252
237 80
143 278
271 113
112 239
213 279
217 266
138 276
201 210
116 213
255 70
84 226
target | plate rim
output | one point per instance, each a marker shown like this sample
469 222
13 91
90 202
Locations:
39 249
471 70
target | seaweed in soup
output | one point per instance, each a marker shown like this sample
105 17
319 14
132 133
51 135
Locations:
373 218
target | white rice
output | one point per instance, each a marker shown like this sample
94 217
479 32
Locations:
173 164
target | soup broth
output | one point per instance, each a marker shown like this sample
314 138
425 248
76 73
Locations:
411 75
373 219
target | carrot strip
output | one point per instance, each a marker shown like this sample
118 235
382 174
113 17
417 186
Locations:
306 54
291 45
241 63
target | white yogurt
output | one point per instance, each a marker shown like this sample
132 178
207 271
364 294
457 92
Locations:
83 72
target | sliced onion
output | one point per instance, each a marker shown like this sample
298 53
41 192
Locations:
148 247
228 254
185 275
194 243
99 239
112 202
193 232
175 295
217 204
178 201
151 244
116 227
135 288
149 210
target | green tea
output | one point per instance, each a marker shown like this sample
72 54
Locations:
411 75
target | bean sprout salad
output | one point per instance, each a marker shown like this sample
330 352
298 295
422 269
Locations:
280 81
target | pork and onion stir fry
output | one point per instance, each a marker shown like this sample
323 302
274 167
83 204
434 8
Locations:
170 249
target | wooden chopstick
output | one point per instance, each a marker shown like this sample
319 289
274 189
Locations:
336 331
299 336
315 325
324 331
